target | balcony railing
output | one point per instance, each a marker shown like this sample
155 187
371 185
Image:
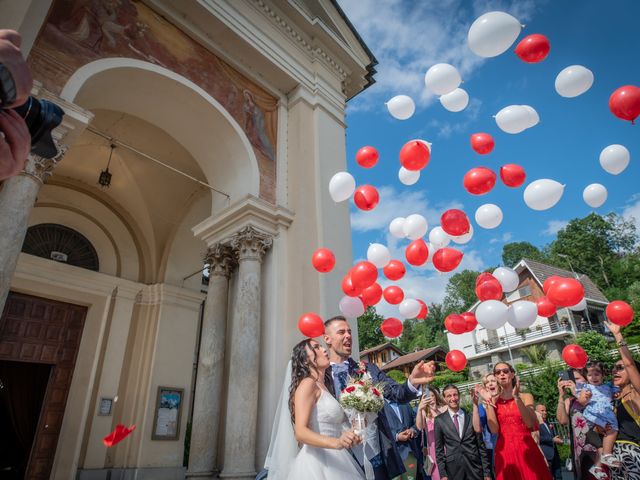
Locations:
517 338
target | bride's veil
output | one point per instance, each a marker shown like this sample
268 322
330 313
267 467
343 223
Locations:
283 447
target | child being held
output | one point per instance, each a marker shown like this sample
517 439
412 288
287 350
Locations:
599 413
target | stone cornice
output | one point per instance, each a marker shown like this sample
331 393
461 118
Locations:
165 294
250 211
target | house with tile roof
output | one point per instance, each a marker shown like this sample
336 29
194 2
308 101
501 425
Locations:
484 348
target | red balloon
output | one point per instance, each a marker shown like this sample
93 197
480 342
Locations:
455 222
489 290
574 356
512 175
456 324
415 155
394 270
424 310
311 325
417 252
620 313
348 287
323 260
393 294
371 295
470 321
482 143
545 307
566 292
456 360
367 157
119 433
624 103
479 180
364 274
533 48
549 282
483 277
366 197
391 327
447 259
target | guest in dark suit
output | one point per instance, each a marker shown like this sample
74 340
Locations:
388 463
402 422
548 442
460 451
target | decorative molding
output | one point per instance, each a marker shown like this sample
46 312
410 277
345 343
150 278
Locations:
251 244
40 168
221 260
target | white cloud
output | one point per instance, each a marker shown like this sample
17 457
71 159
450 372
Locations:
409 37
632 209
507 236
554 226
394 203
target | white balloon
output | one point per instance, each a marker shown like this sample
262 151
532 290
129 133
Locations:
595 195
574 81
408 177
578 307
462 239
409 308
508 278
614 159
439 238
442 78
491 314
493 33
513 119
401 107
534 118
341 186
415 226
351 307
488 216
396 227
378 254
455 101
522 314
543 194
432 249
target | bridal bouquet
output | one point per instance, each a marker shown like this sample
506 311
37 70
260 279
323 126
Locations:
361 400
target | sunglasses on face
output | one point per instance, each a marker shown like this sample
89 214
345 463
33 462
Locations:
501 370
618 368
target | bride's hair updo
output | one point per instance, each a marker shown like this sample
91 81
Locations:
300 369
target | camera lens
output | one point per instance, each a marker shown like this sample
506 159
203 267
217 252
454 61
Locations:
41 117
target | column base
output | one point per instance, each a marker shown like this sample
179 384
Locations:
239 475
206 475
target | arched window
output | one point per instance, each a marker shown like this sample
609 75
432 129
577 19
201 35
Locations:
62 244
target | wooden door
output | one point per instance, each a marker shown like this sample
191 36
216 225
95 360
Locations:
39 330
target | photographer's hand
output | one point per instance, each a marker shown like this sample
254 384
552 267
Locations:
11 58
15 143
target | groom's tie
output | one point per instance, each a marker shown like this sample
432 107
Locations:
341 373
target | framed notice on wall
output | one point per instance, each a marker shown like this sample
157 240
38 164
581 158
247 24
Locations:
166 423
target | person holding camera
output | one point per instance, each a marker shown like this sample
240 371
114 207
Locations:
15 85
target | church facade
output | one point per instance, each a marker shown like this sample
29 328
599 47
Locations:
152 274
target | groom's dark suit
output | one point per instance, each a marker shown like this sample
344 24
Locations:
392 464
460 457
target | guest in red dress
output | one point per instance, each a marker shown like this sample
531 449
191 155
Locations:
517 456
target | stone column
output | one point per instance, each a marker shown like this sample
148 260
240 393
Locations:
207 406
242 401
17 197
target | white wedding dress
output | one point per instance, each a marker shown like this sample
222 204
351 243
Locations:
313 463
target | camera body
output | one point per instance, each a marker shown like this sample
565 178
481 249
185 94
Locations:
41 116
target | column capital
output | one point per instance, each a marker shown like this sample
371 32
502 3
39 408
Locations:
221 259
41 168
251 244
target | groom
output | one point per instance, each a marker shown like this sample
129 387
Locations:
337 335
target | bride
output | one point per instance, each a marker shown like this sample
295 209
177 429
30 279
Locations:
315 419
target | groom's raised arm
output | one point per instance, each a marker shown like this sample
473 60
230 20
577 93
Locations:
393 391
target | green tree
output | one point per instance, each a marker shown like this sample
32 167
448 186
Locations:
369 334
460 293
409 336
596 347
537 354
512 253
543 385
397 376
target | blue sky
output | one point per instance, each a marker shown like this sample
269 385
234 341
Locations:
408 37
